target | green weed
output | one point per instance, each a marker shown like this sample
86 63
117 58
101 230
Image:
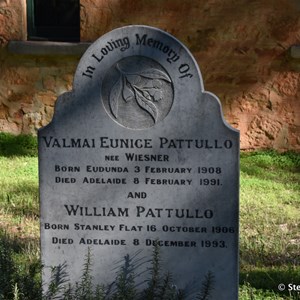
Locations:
124 288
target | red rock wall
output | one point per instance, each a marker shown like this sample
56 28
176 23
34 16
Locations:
241 46
29 87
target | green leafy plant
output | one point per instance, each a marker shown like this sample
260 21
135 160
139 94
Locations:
17 281
207 287
124 287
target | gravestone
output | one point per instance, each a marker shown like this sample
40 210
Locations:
138 155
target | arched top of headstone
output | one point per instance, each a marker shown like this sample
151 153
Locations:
137 76
138 40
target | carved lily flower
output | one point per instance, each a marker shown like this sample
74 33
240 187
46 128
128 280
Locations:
157 96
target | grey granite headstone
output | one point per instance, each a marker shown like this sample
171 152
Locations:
138 154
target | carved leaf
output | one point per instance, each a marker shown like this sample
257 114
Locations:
127 92
153 73
133 78
146 94
146 104
114 96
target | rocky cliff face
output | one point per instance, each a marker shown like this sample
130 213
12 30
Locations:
241 46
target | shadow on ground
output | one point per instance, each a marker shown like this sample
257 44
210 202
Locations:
269 279
19 274
18 145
